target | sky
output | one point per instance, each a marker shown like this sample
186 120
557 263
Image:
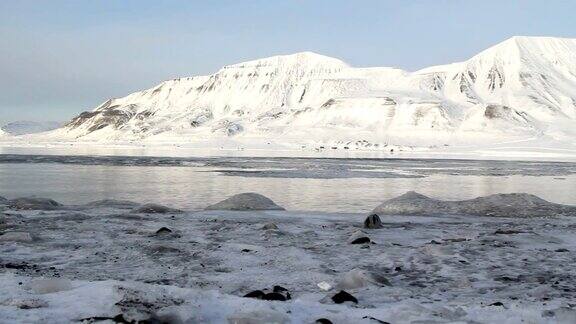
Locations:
59 58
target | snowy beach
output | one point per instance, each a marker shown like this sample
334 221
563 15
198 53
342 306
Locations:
117 261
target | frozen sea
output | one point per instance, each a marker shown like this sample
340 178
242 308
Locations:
305 184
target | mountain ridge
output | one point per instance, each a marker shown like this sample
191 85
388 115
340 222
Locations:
522 87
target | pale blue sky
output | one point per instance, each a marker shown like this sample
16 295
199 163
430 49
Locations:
58 58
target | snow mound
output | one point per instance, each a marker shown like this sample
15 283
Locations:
16 237
154 209
49 285
498 205
34 204
358 278
246 201
112 203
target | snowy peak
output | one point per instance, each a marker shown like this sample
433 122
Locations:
522 87
304 60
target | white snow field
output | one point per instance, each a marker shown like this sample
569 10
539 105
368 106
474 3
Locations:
110 261
517 98
23 127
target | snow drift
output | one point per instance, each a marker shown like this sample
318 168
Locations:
246 201
498 205
524 87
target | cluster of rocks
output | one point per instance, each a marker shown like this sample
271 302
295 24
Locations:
277 293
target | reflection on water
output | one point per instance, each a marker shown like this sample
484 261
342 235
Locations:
344 185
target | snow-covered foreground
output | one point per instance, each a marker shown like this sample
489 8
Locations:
108 260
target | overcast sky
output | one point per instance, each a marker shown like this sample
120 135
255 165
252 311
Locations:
58 58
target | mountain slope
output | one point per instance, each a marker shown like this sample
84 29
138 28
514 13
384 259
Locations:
23 127
523 87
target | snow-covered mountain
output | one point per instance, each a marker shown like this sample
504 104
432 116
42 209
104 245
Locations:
23 127
524 87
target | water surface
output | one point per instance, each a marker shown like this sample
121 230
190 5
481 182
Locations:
319 184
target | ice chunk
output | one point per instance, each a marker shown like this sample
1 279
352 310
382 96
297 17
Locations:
358 278
16 237
498 205
324 286
155 209
34 204
246 201
49 285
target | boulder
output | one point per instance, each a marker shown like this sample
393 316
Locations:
278 293
323 321
154 209
34 204
343 297
373 221
359 237
244 202
163 231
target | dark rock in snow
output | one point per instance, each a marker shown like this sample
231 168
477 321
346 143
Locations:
163 230
275 296
33 204
500 231
562 250
154 209
361 240
373 221
323 321
278 293
258 294
343 297
496 304
375 319
279 289
246 201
